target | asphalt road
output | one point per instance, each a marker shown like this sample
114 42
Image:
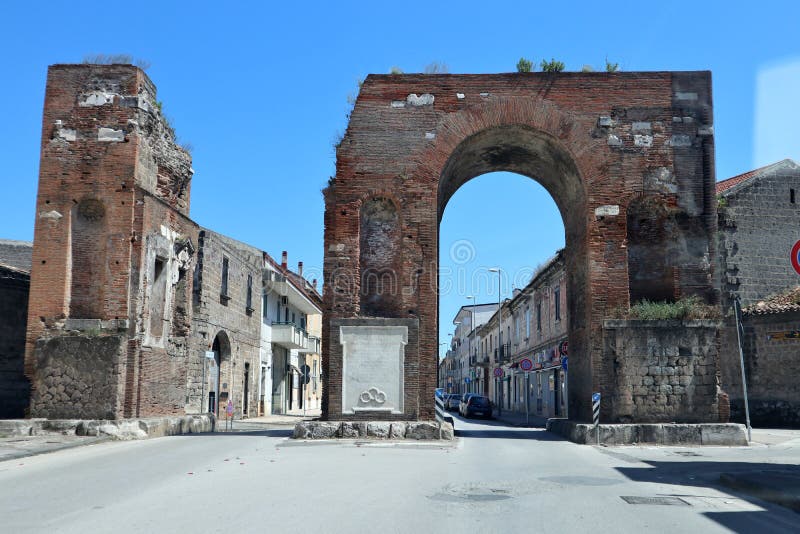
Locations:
495 478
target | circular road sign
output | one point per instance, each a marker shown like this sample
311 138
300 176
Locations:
526 364
795 256
498 372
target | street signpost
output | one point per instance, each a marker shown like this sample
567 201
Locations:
498 372
527 365
596 414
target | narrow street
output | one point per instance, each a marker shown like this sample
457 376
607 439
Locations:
494 478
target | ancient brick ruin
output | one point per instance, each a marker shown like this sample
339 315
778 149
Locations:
628 159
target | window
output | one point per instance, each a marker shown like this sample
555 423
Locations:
527 323
286 315
223 290
516 327
539 316
264 302
791 196
249 295
278 310
557 297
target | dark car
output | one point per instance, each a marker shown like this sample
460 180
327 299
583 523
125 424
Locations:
478 406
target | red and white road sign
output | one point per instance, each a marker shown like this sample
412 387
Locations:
795 257
526 364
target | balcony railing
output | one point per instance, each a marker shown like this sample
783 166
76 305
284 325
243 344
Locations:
313 345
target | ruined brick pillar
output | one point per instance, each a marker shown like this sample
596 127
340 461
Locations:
111 238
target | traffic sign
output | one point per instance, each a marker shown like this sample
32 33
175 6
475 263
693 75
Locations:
305 374
564 348
467 380
795 257
526 364
498 372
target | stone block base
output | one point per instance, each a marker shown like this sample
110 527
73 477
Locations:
418 430
123 429
727 434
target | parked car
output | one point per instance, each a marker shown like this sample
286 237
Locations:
440 392
451 401
478 406
462 406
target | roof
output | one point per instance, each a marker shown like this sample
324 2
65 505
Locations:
788 301
725 185
16 254
300 283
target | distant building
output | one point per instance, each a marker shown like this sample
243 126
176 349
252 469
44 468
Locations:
759 223
15 281
534 326
467 375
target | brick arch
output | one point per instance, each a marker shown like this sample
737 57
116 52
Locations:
593 140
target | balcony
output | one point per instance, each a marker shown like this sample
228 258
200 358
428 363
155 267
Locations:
313 345
483 360
289 336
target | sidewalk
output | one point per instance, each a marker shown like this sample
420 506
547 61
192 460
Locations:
519 419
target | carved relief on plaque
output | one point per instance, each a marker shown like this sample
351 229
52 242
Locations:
373 397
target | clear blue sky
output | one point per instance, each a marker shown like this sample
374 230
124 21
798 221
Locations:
260 90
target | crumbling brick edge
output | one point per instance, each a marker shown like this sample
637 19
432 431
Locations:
390 430
718 434
122 429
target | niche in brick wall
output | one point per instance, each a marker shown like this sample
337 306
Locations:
89 237
158 294
379 258
651 230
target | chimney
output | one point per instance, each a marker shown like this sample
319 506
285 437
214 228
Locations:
314 283
284 260
300 268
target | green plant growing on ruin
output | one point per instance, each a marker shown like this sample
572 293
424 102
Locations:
722 202
687 308
552 66
395 70
436 67
524 65
611 67
115 59
587 68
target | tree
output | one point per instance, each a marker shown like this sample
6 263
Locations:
524 65
552 66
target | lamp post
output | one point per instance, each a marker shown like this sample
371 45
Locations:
472 329
460 367
499 335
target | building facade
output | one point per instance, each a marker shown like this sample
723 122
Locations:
759 224
15 281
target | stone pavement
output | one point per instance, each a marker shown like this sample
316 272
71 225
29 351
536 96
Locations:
14 447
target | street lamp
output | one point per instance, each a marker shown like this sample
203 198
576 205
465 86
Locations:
472 328
460 367
499 335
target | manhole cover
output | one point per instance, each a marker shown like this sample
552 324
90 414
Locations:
471 493
663 501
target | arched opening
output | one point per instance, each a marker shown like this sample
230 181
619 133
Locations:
559 289
218 392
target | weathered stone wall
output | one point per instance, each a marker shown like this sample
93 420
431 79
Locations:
595 141
78 374
771 368
661 371
229 314
759 222
14 387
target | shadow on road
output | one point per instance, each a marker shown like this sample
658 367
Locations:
494 429
777 483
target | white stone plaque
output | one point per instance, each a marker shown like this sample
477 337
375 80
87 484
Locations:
372 368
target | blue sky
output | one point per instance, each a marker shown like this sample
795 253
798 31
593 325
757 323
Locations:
260 91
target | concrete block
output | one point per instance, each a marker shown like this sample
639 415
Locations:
422 430
378 430
726 434
397 431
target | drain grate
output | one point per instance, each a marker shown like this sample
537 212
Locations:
663 501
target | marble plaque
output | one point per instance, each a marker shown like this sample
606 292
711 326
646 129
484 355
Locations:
372 368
